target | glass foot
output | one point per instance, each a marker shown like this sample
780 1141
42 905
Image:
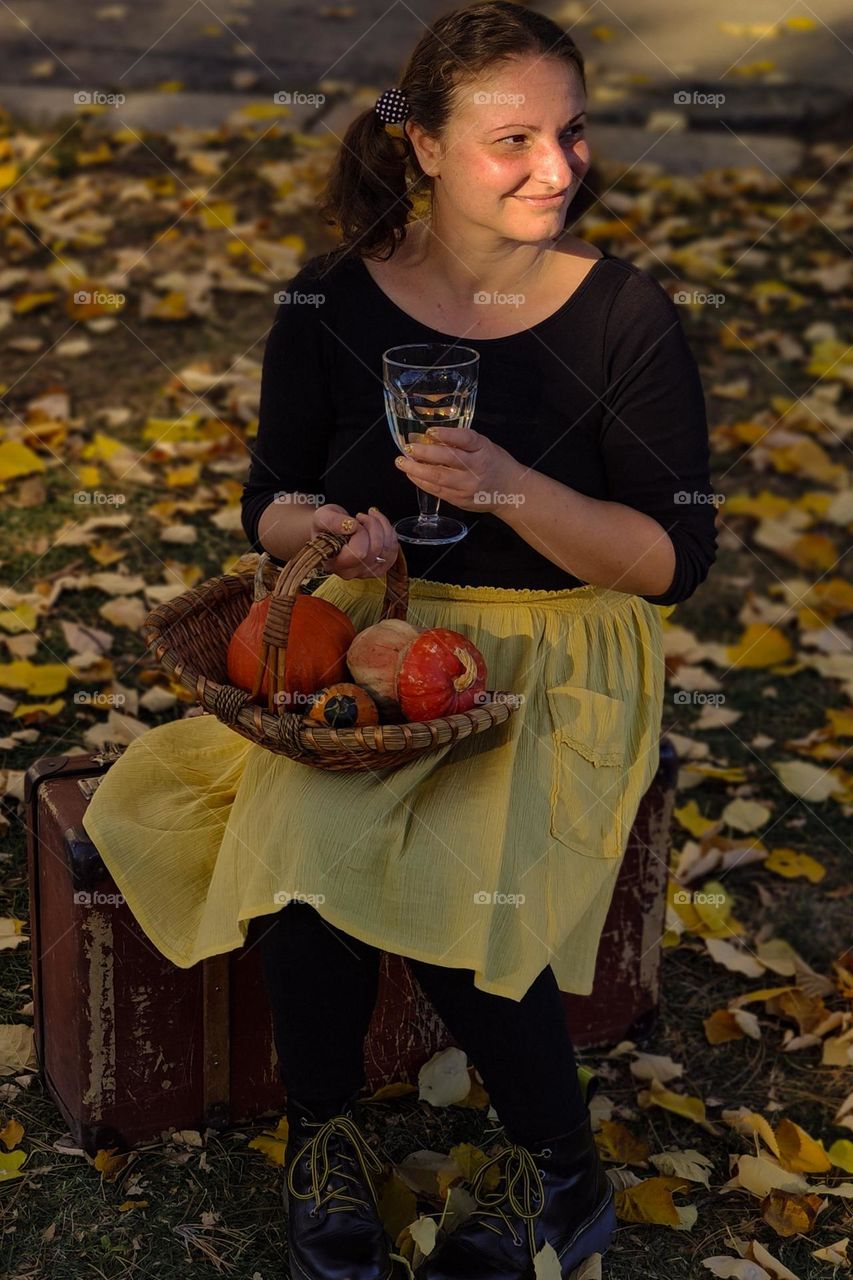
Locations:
431 532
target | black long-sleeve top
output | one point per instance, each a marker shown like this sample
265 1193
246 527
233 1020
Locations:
604 396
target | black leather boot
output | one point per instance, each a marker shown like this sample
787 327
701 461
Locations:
556 1192
333 1227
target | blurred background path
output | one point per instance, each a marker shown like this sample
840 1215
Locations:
784 72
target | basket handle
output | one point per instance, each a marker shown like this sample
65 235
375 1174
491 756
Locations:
276 633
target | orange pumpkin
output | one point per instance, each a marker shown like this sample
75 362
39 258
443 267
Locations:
320 635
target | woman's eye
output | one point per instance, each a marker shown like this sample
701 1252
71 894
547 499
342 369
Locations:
572 134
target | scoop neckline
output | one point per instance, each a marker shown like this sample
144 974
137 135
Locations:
508 337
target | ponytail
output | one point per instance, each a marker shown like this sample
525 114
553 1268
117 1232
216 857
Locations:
373 187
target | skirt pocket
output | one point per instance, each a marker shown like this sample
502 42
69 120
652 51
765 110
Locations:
587 782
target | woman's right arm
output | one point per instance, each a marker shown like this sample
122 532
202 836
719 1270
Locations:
284 527
295 417
282 506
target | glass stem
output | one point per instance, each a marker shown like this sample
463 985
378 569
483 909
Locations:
428 508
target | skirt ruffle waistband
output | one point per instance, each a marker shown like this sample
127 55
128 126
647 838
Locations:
581 598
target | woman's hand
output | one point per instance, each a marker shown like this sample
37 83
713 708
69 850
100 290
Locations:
464 468
370 551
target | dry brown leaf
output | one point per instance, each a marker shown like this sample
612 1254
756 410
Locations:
791 1215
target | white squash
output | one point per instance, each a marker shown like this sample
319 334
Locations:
374 658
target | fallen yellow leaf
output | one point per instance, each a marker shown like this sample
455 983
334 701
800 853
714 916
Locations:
25 302
17 460
763 505
99 155
221 213
831 358
791 864
798 1151
722 1026
807 1011
838 1050
47 678
651 1201
22 618
840 1153
813 551
615 1141
807 457
742 1120
760 1175
11 1134
468 1159
30 710
183 477
760 646
273 1148
10 1165
681 1104
693 821
839 722
110 1162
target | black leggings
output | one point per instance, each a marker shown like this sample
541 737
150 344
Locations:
322 985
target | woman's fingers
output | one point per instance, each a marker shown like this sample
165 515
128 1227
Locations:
371 547
349 561
384 545
375 539
390 543
332 518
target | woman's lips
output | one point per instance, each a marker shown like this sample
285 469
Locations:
543 201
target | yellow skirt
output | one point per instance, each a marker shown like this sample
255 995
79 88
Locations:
498 854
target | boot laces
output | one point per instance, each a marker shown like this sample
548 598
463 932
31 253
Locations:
522 1191
322 1169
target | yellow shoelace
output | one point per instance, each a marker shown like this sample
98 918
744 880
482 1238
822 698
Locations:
522 1187
322 1168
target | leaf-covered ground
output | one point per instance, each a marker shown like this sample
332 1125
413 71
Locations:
136 293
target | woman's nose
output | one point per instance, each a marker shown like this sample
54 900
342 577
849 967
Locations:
553 168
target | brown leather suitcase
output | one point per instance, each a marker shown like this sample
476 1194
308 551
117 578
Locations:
129 1045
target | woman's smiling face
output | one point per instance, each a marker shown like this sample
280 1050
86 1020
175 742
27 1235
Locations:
514 152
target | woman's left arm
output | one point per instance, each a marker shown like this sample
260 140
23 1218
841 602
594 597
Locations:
598 541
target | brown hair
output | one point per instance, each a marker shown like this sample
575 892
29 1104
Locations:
376 179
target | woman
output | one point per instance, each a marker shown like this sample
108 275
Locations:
489 865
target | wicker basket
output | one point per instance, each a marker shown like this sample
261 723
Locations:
189 636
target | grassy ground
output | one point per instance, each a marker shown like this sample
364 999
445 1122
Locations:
217 1210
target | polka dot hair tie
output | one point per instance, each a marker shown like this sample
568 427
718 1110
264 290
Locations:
392 106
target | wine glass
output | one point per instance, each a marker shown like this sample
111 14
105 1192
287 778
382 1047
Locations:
428 384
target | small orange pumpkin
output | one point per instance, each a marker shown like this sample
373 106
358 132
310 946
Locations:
343 706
